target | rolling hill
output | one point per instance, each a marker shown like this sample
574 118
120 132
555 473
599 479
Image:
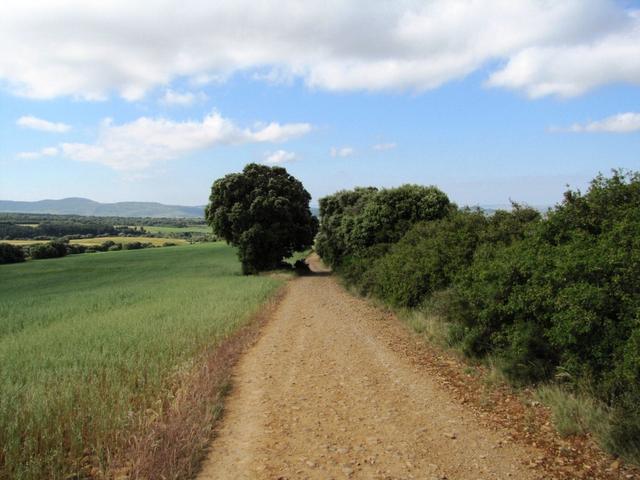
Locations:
84 206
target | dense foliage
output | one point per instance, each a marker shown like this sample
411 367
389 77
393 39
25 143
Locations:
263 211
566 299
552 297
355 220
48 250
10 253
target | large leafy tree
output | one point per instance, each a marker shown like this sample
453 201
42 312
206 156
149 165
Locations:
263 211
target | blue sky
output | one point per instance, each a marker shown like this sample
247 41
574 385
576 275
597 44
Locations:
436 97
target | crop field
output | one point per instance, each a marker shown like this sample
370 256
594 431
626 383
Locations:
90 343
99 240
23 243
188 229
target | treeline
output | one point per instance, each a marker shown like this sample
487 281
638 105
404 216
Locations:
26 226
55 249
549 297
36 218
12 231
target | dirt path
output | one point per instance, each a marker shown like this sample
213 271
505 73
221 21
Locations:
322 396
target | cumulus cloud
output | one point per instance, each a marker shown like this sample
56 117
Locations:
45 152
280 156
570 70
342 152
145 141
36 123
93 49
620 123
181 99
384 146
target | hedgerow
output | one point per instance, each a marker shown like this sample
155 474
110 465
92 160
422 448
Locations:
548 297
10 253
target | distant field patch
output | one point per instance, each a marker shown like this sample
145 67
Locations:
188 229
23 242
91 346
152 240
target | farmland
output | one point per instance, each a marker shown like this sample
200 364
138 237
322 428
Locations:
157 241
24 243
153 240
89 345
170 229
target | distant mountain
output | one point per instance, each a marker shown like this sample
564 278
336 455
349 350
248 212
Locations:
84 206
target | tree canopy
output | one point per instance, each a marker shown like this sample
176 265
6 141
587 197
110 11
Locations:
263 211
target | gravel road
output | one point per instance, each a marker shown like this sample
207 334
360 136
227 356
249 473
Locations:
321 395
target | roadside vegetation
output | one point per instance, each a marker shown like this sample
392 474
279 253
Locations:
96 350
552 299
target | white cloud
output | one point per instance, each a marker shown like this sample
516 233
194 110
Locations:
181 99
280 156
45 152
571 70
139 144
36 123
620 123
49 151
342 152
384 146
94 49
276 132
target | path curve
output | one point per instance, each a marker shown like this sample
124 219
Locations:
322 396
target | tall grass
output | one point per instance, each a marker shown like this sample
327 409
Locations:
574 413
90 343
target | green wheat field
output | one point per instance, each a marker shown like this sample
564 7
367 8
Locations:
89 343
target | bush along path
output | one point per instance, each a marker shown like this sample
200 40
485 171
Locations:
337 388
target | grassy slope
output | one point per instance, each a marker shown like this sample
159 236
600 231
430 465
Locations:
89 342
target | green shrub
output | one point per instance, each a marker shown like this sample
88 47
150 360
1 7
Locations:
353 221
565 299
11 253
336 213
76 248
430 254
427 258
107 246
134 245
48 250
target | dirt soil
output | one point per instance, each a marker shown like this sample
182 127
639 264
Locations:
338 388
